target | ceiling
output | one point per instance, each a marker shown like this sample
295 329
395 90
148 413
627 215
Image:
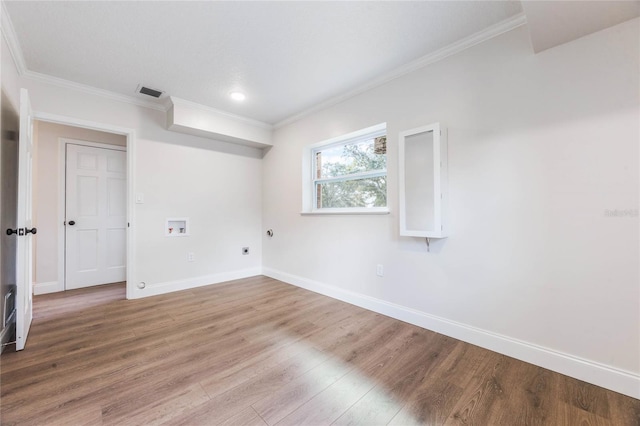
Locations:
287 57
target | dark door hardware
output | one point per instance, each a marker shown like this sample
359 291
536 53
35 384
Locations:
22 231
72 222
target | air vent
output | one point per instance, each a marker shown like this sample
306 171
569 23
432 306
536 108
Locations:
149 92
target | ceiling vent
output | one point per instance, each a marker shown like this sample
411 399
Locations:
148 91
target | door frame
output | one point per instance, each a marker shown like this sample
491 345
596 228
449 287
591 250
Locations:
62 200
130 136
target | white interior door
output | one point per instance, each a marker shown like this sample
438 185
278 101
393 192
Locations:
96 222
25 230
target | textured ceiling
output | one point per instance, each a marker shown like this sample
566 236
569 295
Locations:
286 56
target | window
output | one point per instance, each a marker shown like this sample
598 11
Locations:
349 173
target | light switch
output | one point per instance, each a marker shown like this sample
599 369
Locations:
139 198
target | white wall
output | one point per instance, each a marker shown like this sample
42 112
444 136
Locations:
47 190
170 169
539 147
221 196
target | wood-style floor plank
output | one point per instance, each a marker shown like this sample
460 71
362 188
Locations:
260 352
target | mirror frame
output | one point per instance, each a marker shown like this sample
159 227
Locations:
439 201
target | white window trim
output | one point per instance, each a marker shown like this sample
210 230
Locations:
309 180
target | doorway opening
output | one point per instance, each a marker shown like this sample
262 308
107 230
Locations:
82 170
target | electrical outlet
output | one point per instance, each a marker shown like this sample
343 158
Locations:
380 270
245 250
191 257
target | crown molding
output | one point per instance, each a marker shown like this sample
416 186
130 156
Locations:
11 38
68 84
470 41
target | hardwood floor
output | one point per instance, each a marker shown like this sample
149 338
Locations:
260 352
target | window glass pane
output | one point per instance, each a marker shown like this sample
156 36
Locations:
342 160
369 192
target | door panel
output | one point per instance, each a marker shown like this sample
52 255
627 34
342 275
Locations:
116 239
117 196
24 252
95 216
87 243
87 196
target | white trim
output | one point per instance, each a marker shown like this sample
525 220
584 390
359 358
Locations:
11 38
189 283
85 124
68 84
439 163
470 41
130 134
65 141
352 211
309 181
608 377
48 287
350 137
354 176
131 214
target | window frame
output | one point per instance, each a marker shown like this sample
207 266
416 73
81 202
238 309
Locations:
311 181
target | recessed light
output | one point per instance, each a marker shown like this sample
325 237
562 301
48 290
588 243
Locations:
237 96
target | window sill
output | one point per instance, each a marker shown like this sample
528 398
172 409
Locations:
345 212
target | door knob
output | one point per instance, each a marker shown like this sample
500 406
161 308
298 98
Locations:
72 222
31 231
11 231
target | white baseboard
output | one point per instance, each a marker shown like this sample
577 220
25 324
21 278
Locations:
608 377
154 289
46 288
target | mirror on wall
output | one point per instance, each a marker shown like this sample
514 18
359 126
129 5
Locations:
423 181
